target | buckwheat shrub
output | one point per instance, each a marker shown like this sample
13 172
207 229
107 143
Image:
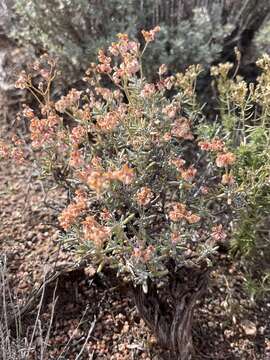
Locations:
141 190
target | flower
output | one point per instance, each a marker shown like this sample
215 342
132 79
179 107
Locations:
204 190
42 130
143 254
175 237
69 215
28 112
170 110
95 232
76 159
180 212
168 82
225 159
97 180
178 163
167 136
68 101
213 145
125 175
17 155
108 122
227 179
4 150
181 129
77 134
23 81
162 69
150 35
189 173
148 90
192 218
144 196
218 234
105 61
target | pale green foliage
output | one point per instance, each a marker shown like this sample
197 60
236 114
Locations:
245 124
192 31
262 38
198 39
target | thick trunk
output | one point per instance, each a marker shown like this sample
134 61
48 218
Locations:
169 311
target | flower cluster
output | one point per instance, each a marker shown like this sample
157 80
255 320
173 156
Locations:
182 129
95 232
42 130
69 215
150 35
213 145
68 101
144 196
179 212
225 159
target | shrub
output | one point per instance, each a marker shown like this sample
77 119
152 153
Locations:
245 126
144 201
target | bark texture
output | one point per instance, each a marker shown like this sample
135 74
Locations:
169 311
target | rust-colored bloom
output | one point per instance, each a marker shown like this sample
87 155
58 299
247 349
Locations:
68 101
42 130
175 237
69 215
97 180
225 159
213 145
4 150
125 174
77 134
75 158
144 254
170 110
150 35
218 234
148 90
23 81
178 163
108 122
192 218
28 112
144 196
181 129
227 179
178 212
95 232
189 173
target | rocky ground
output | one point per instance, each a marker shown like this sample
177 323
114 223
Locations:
94 319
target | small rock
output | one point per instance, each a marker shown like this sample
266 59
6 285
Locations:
249 328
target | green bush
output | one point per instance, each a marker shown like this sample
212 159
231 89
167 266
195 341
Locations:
246 127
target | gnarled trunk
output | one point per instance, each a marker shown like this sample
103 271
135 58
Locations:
169 311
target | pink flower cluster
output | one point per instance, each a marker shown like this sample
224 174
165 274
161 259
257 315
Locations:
179 212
